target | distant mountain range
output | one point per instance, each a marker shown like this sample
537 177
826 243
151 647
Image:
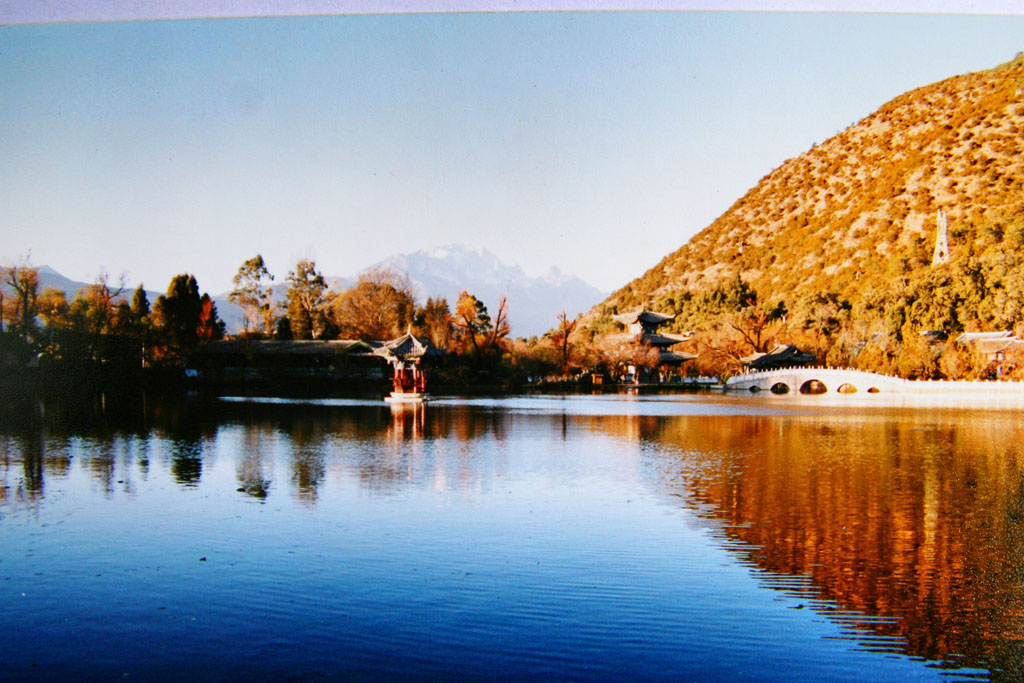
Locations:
51 279
534 302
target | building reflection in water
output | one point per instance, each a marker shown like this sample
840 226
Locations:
408 421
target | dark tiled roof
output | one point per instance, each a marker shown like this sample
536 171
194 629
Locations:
305 347
780 356
662 339
643 316
659 340
673 357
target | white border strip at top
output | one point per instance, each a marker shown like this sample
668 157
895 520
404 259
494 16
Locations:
55 11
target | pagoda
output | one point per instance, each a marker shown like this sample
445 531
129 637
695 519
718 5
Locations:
404 354
642 328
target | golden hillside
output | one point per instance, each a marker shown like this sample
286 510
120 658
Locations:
850 213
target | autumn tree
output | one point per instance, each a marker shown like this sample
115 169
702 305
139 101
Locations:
94 310
733 322
254 294
875 356
618 354
24 280
475 327
823 315
532 360
435 321
917 359
959 362
379 306
209 326
500 327
759 324
54 308
472 319
307 298
585 352
560 337
720 354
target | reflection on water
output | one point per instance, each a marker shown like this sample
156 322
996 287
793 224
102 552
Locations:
915 521
904 527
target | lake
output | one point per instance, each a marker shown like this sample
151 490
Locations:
609 537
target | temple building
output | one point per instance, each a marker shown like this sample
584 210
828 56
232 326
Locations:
252 361
320 365
642 330
993 347
782 356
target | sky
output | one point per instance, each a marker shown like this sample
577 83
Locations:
597 142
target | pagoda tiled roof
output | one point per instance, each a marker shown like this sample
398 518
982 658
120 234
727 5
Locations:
662 339
673 357
659 340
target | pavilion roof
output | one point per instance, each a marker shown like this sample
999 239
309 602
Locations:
972 337
781 355
408 346
991 343
643 316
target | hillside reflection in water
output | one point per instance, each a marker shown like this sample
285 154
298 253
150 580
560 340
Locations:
903 527
906 525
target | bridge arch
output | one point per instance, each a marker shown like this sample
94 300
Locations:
811 381
813 387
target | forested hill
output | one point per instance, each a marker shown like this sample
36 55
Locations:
856 215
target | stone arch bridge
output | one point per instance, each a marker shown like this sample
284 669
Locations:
805 380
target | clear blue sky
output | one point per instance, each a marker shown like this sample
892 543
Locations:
594 141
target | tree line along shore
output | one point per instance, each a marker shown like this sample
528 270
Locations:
110 333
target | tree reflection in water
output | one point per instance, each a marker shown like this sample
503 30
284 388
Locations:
255 462
187 461
905 527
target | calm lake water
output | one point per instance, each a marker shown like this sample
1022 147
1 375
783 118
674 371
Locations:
597 538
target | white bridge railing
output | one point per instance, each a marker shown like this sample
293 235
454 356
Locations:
819 379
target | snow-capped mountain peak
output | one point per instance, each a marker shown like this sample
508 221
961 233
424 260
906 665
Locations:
534 302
